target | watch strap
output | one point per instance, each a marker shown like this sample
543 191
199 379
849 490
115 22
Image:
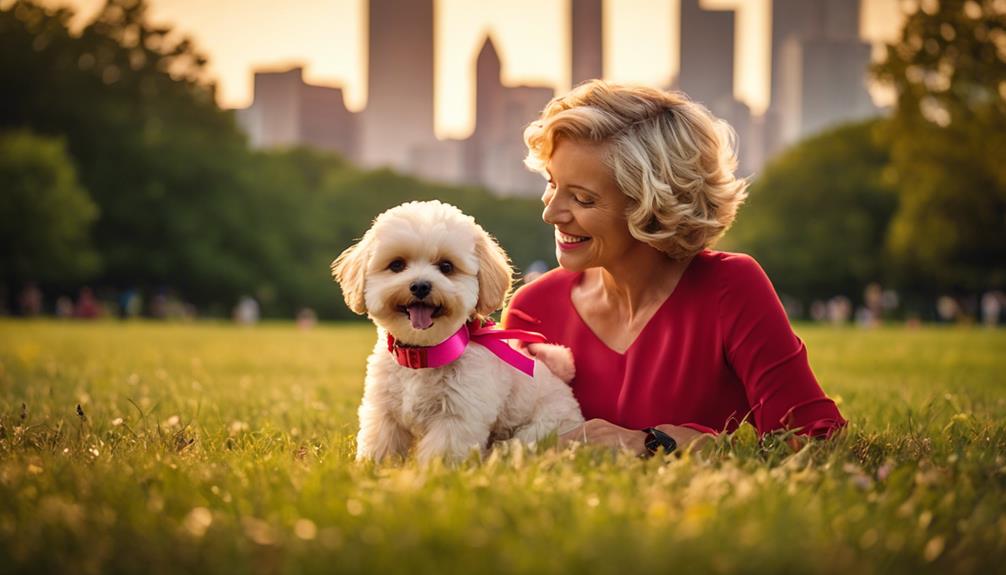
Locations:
655 439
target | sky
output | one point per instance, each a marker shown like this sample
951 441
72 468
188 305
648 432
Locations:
328 38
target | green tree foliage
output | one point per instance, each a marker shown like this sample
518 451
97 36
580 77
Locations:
159 157
45 215
816 217
326 205
184 203
948 144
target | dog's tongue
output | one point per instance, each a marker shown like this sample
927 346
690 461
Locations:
420 315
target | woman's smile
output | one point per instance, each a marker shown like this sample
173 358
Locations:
569 241
582 195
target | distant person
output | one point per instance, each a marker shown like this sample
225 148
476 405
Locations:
818 310
246 312
87 305
947 308
672 341
29 302
839 310
159 304
535 271
992 303
64 307
873 299
306 319
130 303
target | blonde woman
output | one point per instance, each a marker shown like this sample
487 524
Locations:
672 341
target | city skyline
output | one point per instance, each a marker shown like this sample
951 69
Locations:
818 80
330 34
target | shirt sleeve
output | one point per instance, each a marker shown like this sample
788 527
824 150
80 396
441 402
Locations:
517 314
769 359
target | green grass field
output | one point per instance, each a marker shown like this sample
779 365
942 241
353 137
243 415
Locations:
215 449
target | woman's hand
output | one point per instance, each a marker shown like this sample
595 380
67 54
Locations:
601 432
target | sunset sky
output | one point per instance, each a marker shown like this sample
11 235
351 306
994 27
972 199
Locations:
328 37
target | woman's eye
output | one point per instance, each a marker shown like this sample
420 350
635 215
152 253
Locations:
397 265
445 267
551 184
583 201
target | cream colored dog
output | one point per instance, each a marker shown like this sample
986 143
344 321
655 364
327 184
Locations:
422 271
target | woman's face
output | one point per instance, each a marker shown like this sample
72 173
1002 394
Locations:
584 204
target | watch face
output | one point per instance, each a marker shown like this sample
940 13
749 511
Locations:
651 442
656 439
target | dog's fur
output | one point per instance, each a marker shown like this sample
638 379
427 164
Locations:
463 406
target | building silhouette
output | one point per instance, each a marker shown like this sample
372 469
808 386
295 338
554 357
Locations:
587 40
496 148
398 119
819 66
706 71
819 69
706 75
286 111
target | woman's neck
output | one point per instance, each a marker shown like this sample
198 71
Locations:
637 283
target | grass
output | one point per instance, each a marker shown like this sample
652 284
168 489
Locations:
211 448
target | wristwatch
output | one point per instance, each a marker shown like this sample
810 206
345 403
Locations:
655 439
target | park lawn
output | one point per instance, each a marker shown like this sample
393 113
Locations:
210 448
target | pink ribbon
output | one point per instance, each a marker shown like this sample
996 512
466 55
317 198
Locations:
450 349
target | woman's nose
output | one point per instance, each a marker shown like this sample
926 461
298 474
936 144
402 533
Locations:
554 212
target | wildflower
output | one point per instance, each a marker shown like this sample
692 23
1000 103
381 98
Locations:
198 521
305 529
933 548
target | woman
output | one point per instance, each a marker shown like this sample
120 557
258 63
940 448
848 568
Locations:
672 341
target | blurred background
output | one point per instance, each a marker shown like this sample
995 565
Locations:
179 159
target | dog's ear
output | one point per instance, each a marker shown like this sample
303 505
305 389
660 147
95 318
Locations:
495 274
350 270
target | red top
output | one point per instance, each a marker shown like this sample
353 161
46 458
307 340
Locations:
718 351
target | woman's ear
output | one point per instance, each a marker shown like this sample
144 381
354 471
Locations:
495 274
350 270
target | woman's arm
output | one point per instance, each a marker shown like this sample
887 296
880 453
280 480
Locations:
769 359
601 432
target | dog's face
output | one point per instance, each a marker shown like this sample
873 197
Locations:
423 270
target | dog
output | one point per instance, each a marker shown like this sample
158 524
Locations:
425 273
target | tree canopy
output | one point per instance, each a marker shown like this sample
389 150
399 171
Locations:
45 215
817 216
183 203
948 139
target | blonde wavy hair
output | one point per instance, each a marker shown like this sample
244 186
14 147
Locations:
669 155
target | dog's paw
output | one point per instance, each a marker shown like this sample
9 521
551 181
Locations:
557 358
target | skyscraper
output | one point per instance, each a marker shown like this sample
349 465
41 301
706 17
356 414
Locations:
495 151
399 114
707 53
819 68
286 111
587 40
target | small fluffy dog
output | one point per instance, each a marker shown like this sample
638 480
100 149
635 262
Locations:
424 273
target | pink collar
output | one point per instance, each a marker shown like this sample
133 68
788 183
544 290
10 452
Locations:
450 349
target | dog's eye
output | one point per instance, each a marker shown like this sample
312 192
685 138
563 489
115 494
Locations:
445 267
397 265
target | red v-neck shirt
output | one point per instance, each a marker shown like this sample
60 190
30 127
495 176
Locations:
718 351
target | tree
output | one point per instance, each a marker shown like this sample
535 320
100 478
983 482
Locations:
45 215
183 202
163 162
948 142
816 218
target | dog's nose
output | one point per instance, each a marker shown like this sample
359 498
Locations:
420 289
